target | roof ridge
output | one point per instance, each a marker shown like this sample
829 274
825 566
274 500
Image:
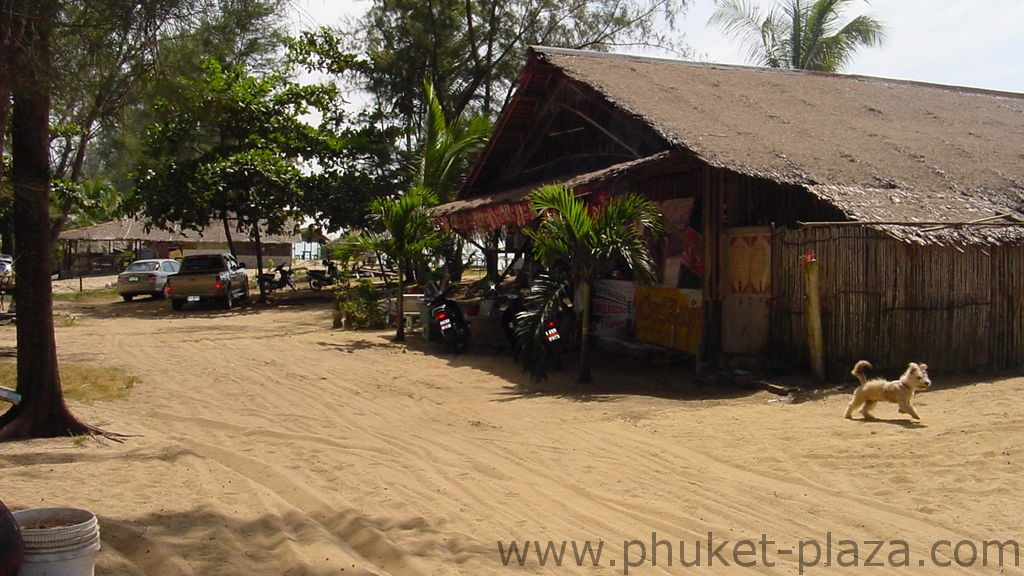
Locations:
542 50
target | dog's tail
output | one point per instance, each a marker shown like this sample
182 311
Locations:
858 371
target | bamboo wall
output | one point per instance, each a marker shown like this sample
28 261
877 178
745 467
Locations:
891 302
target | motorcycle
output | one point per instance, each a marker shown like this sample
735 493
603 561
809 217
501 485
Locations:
279 278
448 321
318 279
551 327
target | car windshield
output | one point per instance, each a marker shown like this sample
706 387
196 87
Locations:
143 266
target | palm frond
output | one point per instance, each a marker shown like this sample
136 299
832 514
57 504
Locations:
756 32
628 224
802 34
447 145
565 228
862 31
543 302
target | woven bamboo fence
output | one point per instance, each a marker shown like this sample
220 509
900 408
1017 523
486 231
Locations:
890 302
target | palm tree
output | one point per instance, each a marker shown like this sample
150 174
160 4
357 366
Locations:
578 243
447 146
806 34
403 229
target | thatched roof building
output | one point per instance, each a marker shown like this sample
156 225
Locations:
876 150
910 194
102 248
129 229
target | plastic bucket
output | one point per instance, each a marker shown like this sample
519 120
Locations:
59 541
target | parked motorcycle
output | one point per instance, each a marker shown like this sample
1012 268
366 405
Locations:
279 278
448 321
551 327
318 279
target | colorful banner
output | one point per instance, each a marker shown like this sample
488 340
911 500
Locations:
669 317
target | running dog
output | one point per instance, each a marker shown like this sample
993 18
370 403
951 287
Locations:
871 392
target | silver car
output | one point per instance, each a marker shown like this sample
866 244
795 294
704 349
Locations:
7 278
146 277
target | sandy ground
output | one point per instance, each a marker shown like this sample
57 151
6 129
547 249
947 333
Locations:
263 442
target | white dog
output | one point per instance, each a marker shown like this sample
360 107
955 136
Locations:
901 391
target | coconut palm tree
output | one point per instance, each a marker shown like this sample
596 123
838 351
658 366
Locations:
447 146
403 229
805 34
578 242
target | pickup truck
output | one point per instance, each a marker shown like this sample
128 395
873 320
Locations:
208 277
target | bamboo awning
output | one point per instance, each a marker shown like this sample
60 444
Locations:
486 212
511 207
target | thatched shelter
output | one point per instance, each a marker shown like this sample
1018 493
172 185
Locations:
910 196
102 248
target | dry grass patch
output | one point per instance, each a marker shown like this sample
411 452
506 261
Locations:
83 382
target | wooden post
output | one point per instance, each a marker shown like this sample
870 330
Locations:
812 316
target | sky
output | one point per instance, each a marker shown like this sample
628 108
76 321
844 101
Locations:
977 43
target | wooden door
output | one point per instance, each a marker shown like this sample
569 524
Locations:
746 290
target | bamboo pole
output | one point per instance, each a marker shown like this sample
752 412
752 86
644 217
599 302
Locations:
812 315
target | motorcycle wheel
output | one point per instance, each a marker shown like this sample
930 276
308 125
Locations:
456 340
555 357
315 284
450 342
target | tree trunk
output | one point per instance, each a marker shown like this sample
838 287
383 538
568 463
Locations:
453 258
584 377
400 304
259 262
491 257
42 411
6 87
6 229
227 235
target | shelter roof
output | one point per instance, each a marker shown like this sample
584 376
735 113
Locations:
879 150
126 228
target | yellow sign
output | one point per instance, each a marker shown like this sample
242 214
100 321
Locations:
669 317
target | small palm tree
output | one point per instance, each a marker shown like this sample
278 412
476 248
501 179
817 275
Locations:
805 34
403 229
578 243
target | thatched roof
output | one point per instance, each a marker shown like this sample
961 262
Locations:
878 150
126 229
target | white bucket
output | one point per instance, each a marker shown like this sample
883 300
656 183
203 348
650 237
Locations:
58 541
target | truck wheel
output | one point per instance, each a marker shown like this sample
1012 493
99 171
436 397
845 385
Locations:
177 303
127 297
229 299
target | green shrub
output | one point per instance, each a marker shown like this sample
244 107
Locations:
359 308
